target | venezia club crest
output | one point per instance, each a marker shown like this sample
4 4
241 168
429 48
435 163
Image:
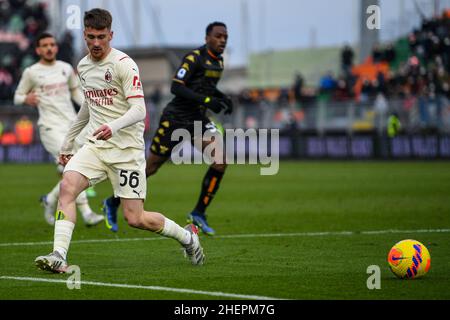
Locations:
108 76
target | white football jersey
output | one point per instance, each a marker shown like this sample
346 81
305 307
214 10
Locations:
52 84
107 87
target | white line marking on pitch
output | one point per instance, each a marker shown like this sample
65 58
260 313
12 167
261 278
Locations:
155 288
235 236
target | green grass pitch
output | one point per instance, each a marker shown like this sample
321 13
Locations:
278 236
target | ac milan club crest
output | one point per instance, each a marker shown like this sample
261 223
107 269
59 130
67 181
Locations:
108 76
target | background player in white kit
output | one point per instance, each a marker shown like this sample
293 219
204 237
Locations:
50 85
114 111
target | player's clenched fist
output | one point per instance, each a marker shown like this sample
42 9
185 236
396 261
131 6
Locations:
32 99
64 158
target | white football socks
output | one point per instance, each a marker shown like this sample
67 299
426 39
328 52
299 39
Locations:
63 235
174 231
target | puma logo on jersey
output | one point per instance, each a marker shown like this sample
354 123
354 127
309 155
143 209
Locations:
138 193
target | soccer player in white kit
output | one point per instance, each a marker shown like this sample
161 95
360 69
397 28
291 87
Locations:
49 85
114 112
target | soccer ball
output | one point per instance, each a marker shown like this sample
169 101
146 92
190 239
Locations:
409 259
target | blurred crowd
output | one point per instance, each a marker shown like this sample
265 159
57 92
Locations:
417 73
20 23
424 74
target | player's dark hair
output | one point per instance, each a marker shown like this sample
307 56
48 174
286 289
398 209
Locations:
41 36
210 26
98 19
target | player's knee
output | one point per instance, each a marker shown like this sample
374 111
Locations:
67 190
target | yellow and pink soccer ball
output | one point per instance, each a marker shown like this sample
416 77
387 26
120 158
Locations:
409 259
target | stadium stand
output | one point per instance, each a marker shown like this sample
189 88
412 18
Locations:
316 90
412 72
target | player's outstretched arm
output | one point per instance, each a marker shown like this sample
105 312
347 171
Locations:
213 103
80 122
226 99
219 94
136 113
180 90
128 71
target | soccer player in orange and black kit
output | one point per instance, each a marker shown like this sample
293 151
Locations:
195 88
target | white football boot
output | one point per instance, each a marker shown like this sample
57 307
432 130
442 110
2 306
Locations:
193 250
93 219
52 262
